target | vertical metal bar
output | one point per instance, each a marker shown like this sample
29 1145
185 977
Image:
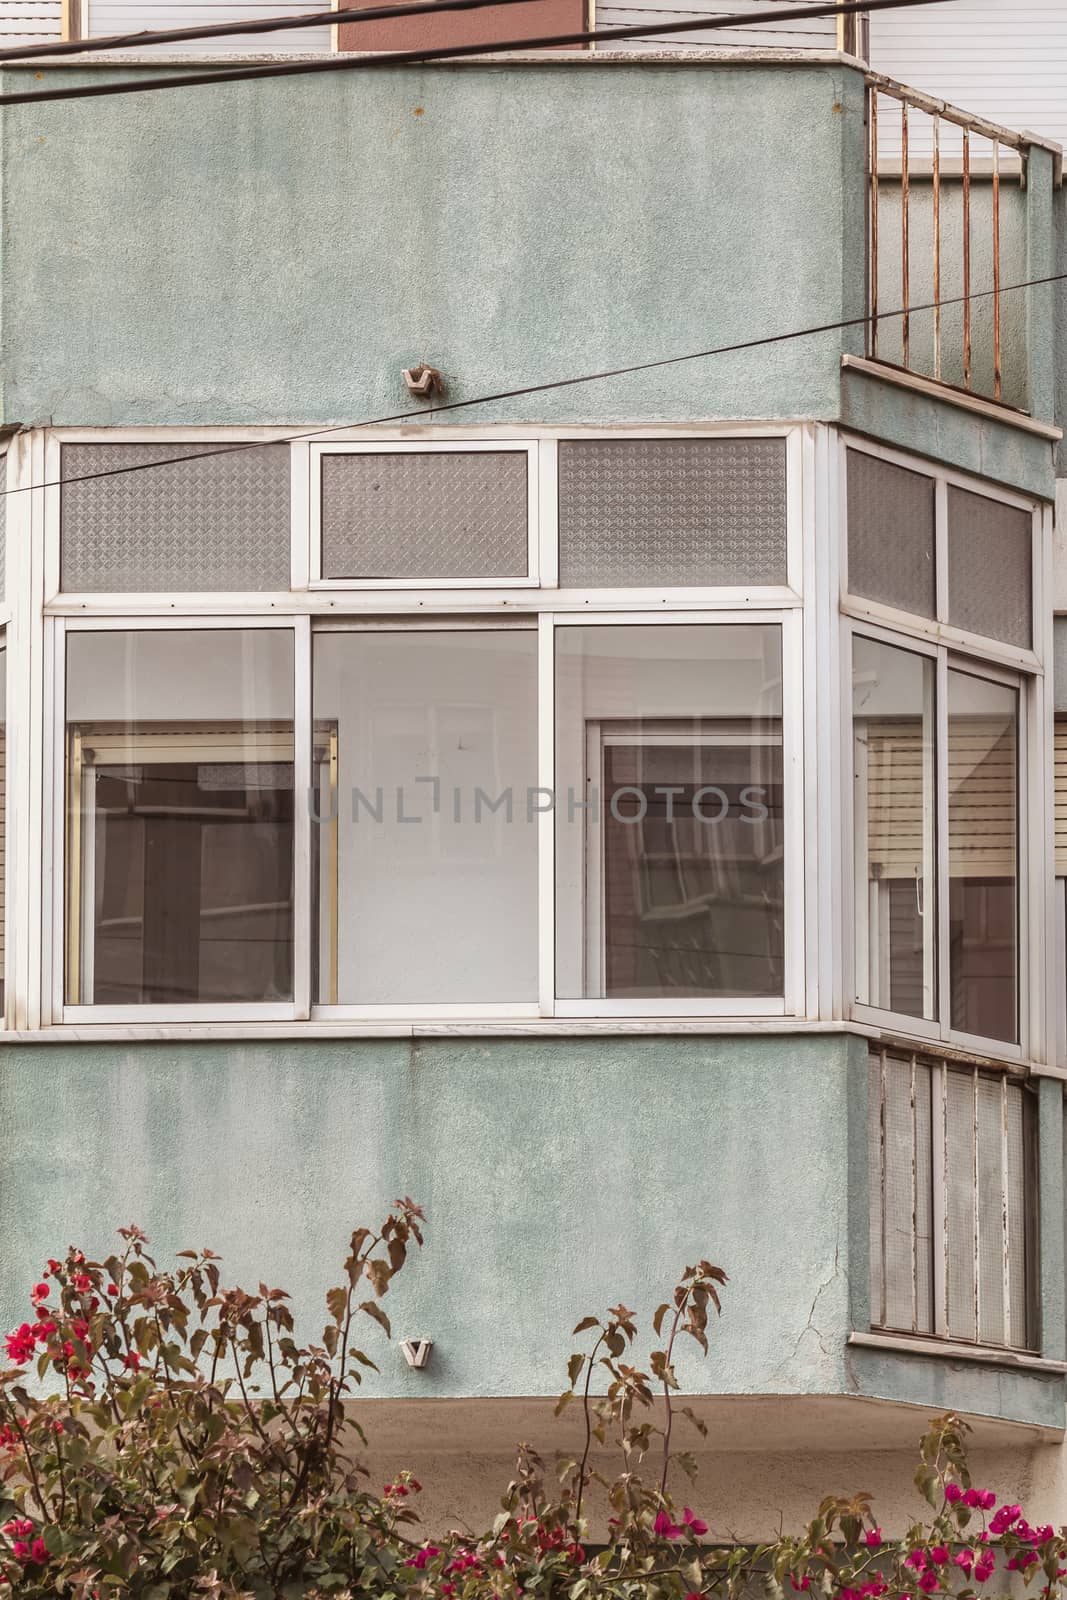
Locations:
74 868
937 246
905 264
966 258
872 334
997 374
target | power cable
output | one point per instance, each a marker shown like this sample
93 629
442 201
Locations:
314 19
390 58
553 383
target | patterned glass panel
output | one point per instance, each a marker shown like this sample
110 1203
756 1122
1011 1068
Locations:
647 512
220 521
426 514
991 1218
891 531
960 1205
990 568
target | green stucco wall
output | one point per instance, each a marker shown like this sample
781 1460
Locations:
558 1176
277 252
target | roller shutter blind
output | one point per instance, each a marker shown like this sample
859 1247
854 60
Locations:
30 21
982 805
131 16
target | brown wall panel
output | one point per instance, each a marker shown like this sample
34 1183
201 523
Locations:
492 24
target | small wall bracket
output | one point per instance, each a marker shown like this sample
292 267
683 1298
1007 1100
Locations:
416 1351
423 381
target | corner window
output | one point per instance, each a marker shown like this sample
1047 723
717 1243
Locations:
180 789
936 840
670 814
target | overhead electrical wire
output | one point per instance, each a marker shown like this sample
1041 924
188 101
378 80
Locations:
214 30
388 58
545 387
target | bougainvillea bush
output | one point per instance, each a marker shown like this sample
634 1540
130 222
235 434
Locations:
191 1446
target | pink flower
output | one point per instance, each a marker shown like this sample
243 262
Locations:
697 1526
953 1492
20 1343
804 1584
39 1552
82 1282
112 1288
664 1528
132 1361
984 1570
39 1292
1004 1518
422 1557
20 1550
973 1498
916 1560
873 1539
928 1582
965 1560
939 1554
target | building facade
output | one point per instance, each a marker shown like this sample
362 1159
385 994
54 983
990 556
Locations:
623 813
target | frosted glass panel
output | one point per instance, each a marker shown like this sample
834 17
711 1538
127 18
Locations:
426 830
425 514
990 567
890 534
220 521
671 511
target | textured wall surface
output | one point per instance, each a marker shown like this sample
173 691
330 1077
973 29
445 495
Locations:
558 1176
278 251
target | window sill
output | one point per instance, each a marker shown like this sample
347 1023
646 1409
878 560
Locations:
948 1350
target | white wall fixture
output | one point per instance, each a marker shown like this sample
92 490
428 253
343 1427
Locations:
416 1351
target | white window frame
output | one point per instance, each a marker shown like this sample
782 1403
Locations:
54 908
1029 856
792 1000
436 447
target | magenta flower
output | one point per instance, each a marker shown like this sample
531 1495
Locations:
928 1582
916 1560
965 1560
939 1554
873 1539
694 1523
953 1492
423 1556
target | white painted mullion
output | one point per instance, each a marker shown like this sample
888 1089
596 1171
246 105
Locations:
815 491
547 529
794 988
944 1009
546 820
33 707
939 1218
54 902
303 558
18 976
302 761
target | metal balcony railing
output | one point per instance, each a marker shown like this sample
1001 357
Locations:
947 232
953 1181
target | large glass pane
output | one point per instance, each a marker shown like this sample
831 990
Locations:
895 817
983 738
180 816
669 812
424 830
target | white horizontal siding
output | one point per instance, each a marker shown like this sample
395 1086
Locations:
817 35
30 21
1005 62
133 16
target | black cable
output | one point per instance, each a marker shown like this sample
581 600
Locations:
390 58
553 383
316 19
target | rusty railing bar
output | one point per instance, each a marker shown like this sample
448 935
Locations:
966 259
872 336
937 247
997 369
906 268
949 113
